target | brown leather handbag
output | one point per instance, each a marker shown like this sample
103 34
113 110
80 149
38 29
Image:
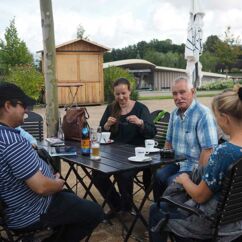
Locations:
73 122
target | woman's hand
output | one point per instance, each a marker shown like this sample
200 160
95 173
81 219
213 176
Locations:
133 119
110 122
200 193
181 179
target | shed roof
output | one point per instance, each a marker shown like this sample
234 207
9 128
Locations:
79 40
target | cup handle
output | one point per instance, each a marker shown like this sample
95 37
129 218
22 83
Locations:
147 152
156 143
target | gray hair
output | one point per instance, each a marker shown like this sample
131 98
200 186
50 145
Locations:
182 78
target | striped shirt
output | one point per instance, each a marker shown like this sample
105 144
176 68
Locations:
19 162
190 134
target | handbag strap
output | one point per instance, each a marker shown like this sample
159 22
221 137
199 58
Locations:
86 113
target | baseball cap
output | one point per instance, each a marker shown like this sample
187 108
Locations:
9 91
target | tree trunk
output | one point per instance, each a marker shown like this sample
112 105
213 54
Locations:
49 67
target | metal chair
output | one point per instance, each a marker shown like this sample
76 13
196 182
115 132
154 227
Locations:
34 125
9 235
161 121
229 209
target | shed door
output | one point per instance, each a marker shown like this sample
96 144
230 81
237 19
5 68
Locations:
89 71
67 68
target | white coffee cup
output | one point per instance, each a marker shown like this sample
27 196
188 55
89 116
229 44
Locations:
150 144
140 152
105 137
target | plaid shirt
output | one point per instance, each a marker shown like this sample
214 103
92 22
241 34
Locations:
190 134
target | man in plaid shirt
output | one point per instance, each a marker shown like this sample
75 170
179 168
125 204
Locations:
192 132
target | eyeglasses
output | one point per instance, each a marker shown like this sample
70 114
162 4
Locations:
21 104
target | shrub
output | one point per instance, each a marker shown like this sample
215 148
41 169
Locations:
113 73
28 78
217 85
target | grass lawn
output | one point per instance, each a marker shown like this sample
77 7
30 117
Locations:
167 95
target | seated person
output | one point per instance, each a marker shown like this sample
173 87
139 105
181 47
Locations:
227 108
129 122
191 132
34 197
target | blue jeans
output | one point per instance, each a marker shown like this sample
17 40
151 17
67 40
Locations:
164 177
75 216
156 214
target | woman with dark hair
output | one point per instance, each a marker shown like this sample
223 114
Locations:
227 108
129 122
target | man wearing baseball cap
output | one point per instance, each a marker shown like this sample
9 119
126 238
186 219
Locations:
34 197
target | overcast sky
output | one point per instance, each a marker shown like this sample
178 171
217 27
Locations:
119 23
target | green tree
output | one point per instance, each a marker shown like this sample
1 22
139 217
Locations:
156 51
153 56
110 75
80 33
209 61
169 59
228 50
211 43
13 51
142 46
28 78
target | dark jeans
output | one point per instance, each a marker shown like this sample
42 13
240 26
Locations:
164 177
76 217
156 214
117 201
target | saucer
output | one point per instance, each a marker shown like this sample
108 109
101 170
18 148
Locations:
106 143
135 159
153 150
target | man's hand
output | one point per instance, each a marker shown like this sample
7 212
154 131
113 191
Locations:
44 185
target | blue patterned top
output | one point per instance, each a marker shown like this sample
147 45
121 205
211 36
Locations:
189 134
223 155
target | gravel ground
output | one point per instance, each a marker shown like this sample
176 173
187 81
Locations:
113 233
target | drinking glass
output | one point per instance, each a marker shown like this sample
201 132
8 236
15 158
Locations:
95 144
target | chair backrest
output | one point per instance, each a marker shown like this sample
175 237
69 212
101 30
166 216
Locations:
34 125
161 126
229 209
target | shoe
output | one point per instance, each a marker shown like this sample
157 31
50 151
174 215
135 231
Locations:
132 212
110 214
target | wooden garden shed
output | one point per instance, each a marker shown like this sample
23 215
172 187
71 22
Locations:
79 69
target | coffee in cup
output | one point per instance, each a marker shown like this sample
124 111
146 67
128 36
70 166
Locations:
150 144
